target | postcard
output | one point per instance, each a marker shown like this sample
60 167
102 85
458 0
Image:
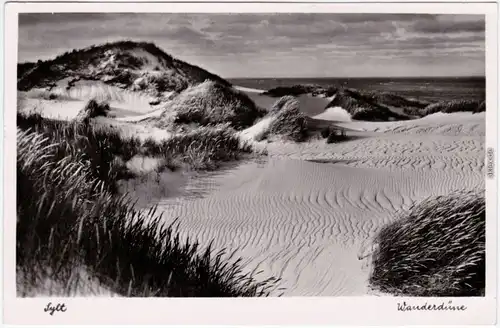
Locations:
250 163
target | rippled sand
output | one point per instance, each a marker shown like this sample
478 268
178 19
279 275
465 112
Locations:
308 211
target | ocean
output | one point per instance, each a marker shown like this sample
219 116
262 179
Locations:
429 89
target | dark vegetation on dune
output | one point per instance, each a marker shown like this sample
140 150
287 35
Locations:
211 103
333 134
22 68
361 105
202 149
87 64
93 108
71 220
390 99
436 249
378 106
97 147
364 106
300 89
454 106
481 107
289 121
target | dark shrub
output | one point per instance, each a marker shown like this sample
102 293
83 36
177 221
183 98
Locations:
92 109
210 103
325 132
436 249
336 135
363 106
481 107
452 106
289 122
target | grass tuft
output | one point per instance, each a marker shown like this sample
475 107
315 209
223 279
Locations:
436 249
211 103
201 149
92 109
333 134
289 121
454 106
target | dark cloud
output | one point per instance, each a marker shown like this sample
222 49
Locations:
26 19
449 26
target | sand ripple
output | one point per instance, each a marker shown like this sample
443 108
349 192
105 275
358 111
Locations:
308 226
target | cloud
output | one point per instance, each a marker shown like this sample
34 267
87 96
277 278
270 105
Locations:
449 25
281 44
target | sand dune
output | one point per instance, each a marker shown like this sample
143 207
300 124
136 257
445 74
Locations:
309 211
336 114
258 130
307 227
62 110
250 90
123 103
454 124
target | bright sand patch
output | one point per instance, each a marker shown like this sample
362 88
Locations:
308 211
250 90
336 114
68 103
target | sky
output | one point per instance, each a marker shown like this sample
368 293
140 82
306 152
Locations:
277 45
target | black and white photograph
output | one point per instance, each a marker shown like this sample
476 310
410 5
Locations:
252 155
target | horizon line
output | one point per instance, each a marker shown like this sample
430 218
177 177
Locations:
357 77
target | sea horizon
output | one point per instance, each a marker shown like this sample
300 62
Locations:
423 88
361 77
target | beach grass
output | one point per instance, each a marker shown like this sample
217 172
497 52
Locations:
453 106
289 122
204 148
211 103
71 224
92 109
201 149
436 249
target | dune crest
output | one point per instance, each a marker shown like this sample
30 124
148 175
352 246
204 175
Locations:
337 114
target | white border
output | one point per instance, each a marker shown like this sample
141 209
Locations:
250 311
